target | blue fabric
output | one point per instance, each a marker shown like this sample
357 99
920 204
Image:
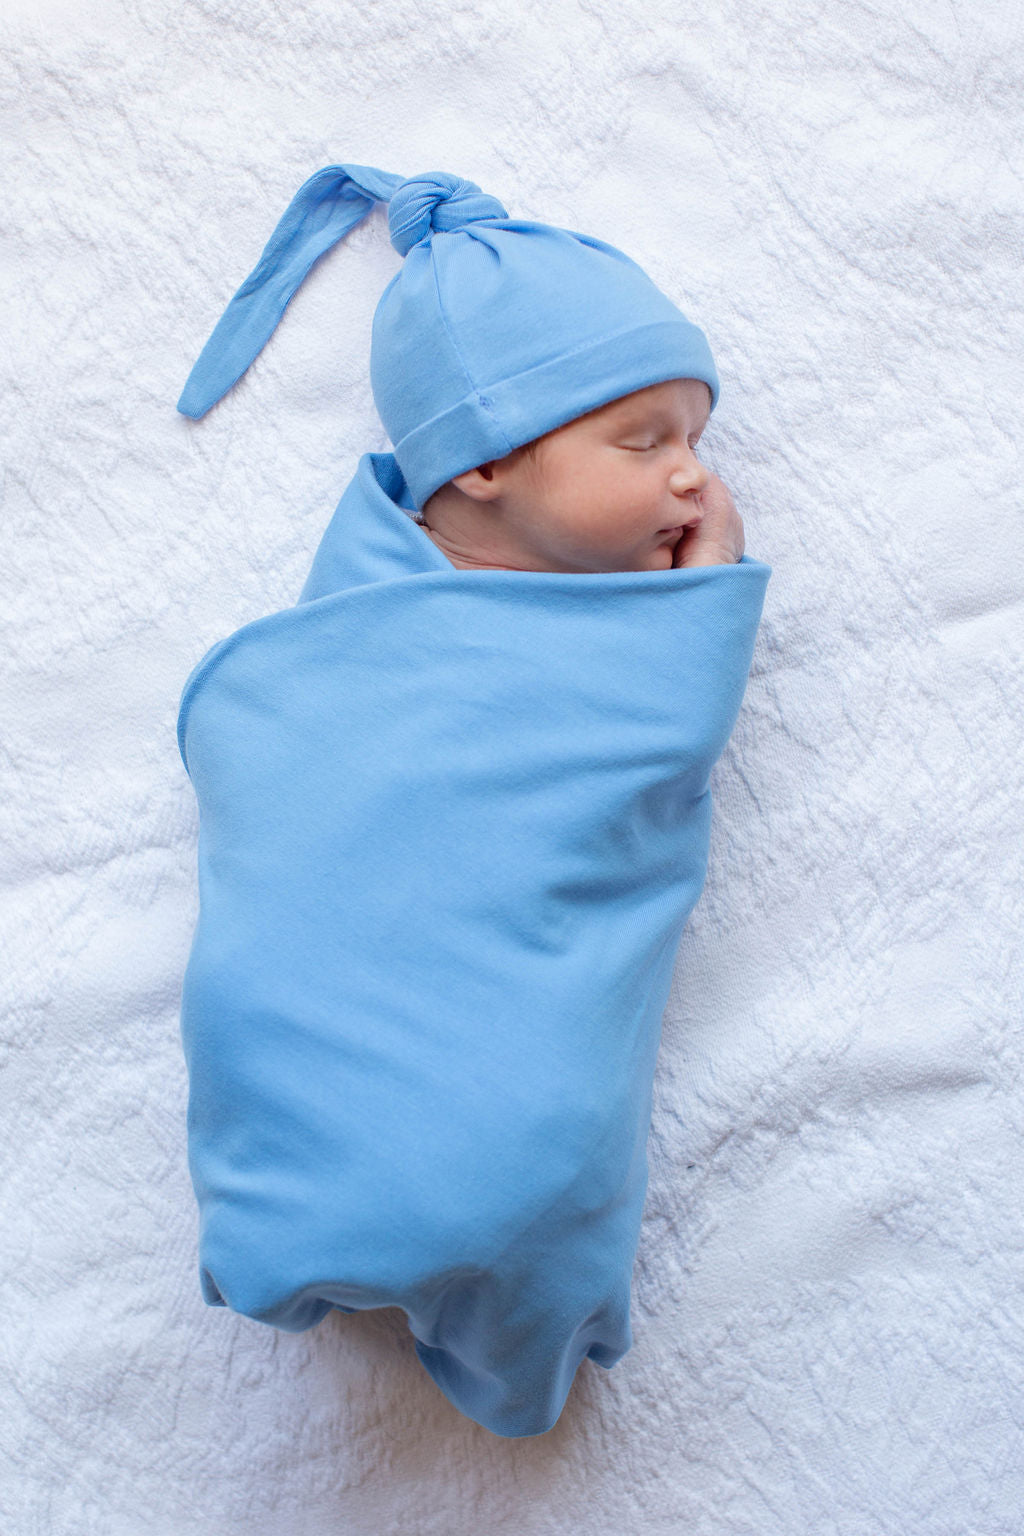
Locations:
451 826
494 330
323 210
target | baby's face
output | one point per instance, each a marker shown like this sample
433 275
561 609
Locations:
610 491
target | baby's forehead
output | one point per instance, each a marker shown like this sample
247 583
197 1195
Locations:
659 398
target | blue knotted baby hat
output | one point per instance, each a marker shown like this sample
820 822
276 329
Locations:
494 331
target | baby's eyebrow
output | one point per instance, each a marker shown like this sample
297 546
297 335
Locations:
635 418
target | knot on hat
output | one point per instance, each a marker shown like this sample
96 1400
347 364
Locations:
436 200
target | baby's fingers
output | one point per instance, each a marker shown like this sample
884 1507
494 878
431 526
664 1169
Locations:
718 538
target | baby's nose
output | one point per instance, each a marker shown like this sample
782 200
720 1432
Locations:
691 478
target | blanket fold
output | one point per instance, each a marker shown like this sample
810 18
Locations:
452 824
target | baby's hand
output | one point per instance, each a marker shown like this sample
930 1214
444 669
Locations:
718 538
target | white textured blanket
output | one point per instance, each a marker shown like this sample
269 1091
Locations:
828 1306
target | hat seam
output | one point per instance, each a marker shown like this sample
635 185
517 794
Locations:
474 387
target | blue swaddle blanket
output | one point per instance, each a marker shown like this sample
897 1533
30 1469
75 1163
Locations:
451 826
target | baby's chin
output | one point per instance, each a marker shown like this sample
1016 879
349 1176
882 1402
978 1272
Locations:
653 557
658 559
661 558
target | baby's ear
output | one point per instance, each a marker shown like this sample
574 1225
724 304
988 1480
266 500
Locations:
481 483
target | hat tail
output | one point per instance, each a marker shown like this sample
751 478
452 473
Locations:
322 211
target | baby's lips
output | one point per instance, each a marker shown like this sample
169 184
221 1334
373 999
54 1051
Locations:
690 519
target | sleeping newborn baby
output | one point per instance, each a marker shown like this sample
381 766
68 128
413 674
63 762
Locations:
454 804
593 495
